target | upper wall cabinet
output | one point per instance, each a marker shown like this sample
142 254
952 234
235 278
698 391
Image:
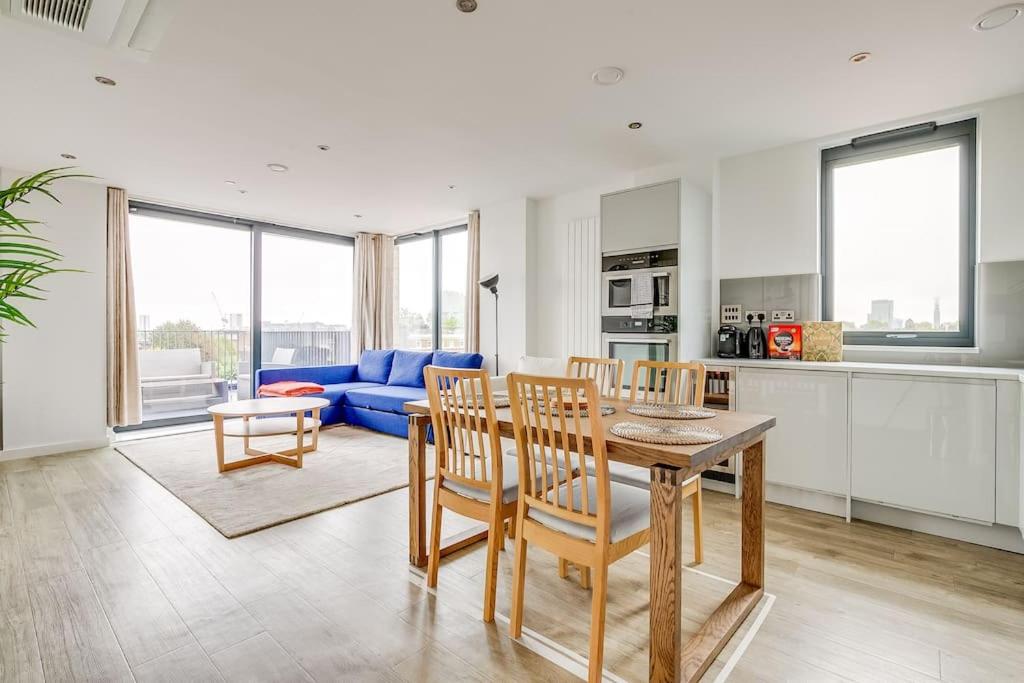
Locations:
641 218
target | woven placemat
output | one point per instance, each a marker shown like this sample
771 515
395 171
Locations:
671 435
605 410
669 411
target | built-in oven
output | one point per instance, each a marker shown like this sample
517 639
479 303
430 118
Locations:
620 271
634 339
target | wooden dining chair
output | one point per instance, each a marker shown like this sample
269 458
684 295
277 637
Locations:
668 382
590 520
676 384
607 372
472 476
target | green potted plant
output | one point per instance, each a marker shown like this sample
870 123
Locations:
25 257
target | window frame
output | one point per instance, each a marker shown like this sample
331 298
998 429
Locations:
887 145
436 247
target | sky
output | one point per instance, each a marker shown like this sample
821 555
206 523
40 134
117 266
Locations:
896 231
201 273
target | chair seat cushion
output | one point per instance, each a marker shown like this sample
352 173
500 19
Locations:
388 399
509 482
631 475
335 392
631 511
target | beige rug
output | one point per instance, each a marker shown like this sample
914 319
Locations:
351 464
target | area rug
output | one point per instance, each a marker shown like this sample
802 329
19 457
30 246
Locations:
350 465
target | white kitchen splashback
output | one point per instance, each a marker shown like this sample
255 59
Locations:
797 293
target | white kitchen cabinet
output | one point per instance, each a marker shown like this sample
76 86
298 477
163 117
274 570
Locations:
1009 436
925 443
641 218
807 447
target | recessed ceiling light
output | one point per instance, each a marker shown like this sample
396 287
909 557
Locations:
608 75
451 187
466 6
277 168
104 80
998 17
70 157
230 182
243 192
357 215
860 57
636 125
323 148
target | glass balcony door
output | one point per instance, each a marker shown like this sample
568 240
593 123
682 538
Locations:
192 299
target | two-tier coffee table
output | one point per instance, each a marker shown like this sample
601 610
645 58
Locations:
276 417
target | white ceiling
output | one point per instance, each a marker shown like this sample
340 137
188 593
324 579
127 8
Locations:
413 96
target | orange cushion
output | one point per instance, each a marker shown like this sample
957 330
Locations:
290 389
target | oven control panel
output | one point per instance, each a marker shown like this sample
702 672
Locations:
623 324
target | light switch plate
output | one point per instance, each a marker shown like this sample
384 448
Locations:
755 314
783 316
732 313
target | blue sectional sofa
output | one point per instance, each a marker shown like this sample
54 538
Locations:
371 393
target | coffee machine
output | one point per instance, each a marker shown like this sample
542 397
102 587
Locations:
757 342
731 342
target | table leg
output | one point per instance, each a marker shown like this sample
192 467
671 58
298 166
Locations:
218 437
316 429
666 573
752 563
418 489
300 436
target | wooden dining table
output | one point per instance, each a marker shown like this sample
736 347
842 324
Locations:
670 658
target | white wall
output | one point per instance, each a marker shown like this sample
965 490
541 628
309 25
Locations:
55 375
506 240
768 210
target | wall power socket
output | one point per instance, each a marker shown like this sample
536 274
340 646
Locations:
783 316
755 314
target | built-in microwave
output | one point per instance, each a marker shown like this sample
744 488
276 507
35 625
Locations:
620 270
617 291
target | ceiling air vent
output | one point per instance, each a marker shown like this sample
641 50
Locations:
132 27
69 14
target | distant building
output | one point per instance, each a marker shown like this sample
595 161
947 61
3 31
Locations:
936 316
144 322
882 312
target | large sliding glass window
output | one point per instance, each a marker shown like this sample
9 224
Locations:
431 306
202 331
306 301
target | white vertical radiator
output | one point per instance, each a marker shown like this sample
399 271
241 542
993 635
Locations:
582 315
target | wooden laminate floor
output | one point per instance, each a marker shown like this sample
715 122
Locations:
106 576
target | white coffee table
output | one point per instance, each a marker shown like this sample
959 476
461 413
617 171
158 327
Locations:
265 408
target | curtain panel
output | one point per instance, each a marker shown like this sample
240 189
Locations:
124 394
473 283
373 292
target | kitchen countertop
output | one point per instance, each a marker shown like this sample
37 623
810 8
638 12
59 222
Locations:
961 371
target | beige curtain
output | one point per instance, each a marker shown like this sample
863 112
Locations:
473 284
124 395
373 292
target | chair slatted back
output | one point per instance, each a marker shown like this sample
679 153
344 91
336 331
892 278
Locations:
668 382
467 445
550 445
607 372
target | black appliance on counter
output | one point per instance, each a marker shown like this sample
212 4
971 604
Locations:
731 342
757 342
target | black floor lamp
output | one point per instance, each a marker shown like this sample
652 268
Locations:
491 283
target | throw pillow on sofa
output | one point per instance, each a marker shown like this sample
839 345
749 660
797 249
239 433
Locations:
407 368
375 366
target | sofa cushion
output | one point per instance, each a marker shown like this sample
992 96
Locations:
389 399
407 368
375 366
334 392
456 359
